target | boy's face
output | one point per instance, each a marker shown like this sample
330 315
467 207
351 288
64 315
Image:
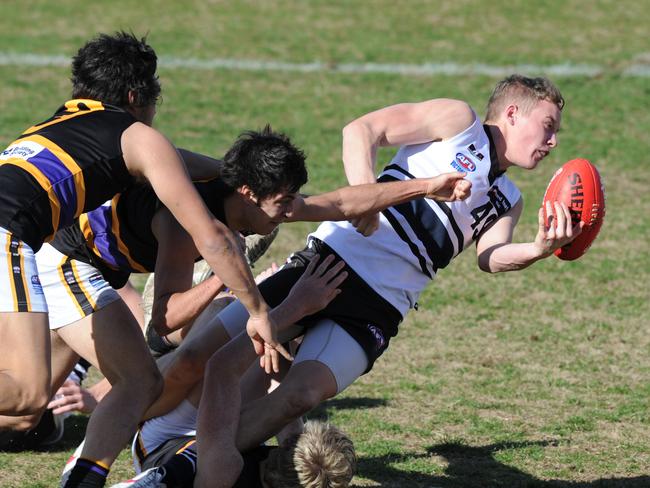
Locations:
274 210
531 136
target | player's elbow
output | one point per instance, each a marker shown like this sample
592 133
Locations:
483 262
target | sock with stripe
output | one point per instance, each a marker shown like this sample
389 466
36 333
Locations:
87 474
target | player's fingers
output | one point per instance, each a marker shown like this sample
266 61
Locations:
71 407
322 267
258 345
280 349
540 219
338 279
309 270
549 215
333 271
560 226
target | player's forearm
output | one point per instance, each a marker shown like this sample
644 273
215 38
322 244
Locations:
226 259
176 310
360 200
509 257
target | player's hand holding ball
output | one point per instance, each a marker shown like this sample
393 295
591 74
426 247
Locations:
572 211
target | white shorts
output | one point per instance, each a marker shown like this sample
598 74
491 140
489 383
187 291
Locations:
73 289
20 287
326 342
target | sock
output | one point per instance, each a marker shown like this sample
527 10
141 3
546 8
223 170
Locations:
180 469
87 474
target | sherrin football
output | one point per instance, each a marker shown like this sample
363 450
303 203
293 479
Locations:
578 184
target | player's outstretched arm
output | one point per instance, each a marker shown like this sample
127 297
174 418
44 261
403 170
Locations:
405 123
352 202
497 253
149 154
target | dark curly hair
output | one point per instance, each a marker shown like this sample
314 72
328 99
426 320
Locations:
107 67
266 161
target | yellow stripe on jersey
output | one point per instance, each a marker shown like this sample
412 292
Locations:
120 244
10 267
81 285
71 106
67 287
68 162
87 231
22 275
45 184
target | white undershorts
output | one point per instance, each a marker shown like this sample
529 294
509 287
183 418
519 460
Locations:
325 342
73 289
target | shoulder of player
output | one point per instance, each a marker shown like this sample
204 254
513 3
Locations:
448 117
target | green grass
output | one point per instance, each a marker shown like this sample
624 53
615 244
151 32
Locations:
532 379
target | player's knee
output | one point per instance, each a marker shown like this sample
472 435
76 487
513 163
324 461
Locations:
301 400
188 366
31 401
151 383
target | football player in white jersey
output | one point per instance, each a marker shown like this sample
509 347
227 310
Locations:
391 256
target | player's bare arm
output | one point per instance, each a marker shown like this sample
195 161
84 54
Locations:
497 253
176 303
352 202
199 166
405 123
150 154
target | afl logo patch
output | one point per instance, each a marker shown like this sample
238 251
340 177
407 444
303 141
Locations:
36 284
463 163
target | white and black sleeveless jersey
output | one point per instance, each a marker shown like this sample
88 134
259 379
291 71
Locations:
416 239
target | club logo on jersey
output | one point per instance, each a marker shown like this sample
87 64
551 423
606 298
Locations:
22 151
36 285
463 163
378 335
472 150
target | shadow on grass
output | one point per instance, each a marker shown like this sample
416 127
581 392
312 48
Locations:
474 467
73 434
322 411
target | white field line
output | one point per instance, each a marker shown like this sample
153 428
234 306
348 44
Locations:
638 70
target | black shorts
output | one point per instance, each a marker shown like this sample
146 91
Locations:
360 310
164 452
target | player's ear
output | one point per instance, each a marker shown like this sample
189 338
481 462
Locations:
510 113
247 194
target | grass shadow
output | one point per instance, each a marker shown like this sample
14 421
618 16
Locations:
474 467
321 412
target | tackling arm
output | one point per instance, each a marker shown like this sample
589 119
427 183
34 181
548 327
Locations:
352 202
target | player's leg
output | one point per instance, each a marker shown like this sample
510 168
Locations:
112 340
63 360
24 335
328 361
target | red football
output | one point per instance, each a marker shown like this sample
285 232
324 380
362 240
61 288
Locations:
577 183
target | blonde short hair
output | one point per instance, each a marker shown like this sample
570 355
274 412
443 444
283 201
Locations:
321 457
525 92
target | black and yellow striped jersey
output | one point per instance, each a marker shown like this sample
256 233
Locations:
117 238
65 166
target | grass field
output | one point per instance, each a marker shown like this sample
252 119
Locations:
531 379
